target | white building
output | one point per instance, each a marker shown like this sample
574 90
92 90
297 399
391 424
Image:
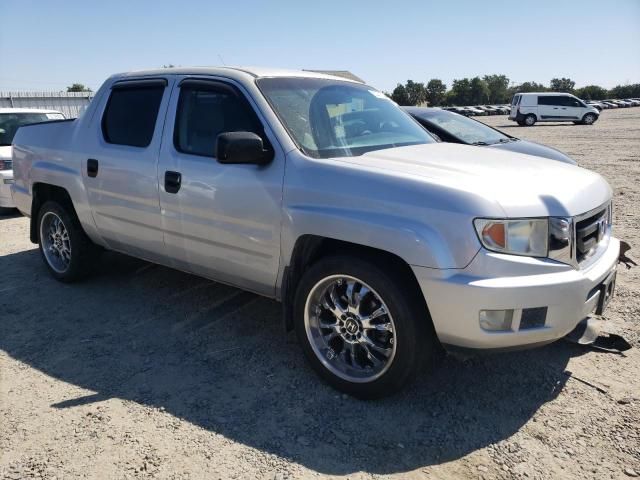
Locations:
69 103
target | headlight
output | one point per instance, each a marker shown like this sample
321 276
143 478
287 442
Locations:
523 236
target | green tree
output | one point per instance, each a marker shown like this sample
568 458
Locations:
526 87
479 91
498 88
591 92
400 96
460 93
625 91
562 84
436 92
416 92
78 87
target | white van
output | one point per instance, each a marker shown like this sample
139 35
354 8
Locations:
529 108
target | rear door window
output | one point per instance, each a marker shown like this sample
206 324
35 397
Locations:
131 114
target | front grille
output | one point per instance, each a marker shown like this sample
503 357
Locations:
589 232
6 165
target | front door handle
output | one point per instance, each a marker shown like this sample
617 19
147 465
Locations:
172 181
92 167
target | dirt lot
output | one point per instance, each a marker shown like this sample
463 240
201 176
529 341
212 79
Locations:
142 371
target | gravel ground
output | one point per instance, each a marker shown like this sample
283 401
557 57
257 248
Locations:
142 371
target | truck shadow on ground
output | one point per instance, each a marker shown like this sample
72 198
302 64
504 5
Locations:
218 358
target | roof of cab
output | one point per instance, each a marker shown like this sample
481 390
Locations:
232 72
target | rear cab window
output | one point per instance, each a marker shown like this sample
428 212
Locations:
132 111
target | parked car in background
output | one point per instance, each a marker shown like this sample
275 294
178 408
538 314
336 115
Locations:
502 109
597 105
632 101
466 111
610 104
529 108
320 192
475 111
487 109
10 120
454 128
621 103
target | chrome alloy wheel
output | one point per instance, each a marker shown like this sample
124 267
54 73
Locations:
56 245
350 328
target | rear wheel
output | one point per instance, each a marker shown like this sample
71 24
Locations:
589 119
66 250
359 329
530 120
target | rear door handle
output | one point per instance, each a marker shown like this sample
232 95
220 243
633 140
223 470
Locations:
172 181
92 167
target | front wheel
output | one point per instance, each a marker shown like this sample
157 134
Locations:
530 120
359 329
65 248
589 119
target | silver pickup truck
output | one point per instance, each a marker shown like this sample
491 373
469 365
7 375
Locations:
320 192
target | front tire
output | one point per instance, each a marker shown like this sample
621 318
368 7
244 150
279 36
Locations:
589 119
360 330
66 250
530 120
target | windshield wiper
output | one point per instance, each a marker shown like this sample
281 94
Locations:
479 143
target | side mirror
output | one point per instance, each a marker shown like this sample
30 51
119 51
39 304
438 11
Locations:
241 148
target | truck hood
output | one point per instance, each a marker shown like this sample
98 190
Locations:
522 185
5 152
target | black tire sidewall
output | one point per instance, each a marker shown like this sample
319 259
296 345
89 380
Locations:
410 319
77 239
584 119
531 115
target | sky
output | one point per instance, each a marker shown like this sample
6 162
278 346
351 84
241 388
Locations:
50 44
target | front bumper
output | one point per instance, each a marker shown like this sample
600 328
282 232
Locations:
494 281
6 179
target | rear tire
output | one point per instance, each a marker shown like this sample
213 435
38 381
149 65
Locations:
530 120
66 250
352 345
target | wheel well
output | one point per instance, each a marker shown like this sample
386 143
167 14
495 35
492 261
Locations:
309 249
42 192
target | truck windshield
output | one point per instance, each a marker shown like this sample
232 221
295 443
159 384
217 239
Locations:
10 122
330 118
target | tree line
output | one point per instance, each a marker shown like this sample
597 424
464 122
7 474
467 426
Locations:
496 89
